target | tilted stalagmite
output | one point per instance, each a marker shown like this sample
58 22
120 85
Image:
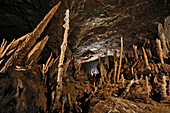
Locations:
18 41
30 40
2 46
4 49
36 51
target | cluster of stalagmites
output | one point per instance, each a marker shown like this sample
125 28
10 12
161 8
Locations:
139 77
19 62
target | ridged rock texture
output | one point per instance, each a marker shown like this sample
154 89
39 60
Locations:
94 23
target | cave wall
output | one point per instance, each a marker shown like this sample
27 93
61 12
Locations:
92 22
18 17
98 23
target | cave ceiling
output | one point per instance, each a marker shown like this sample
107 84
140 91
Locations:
94 24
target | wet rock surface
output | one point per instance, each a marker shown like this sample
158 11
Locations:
119 105
94 23
102 23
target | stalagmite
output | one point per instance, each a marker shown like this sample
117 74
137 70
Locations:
149 53
148 50
165 49
132 70
159 51
136 77
141 78
122 81
125 57
70 103
102 71
36 51
163 40
3 46
167 31
147 86
109 76
62 55
120 61
63 106
146 59
155 79
30 40
18 41
106 62
3 49
115 66
66 66
128 87
135 51
133 67
169 88
164 84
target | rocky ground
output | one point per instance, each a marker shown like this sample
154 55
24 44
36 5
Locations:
117 58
